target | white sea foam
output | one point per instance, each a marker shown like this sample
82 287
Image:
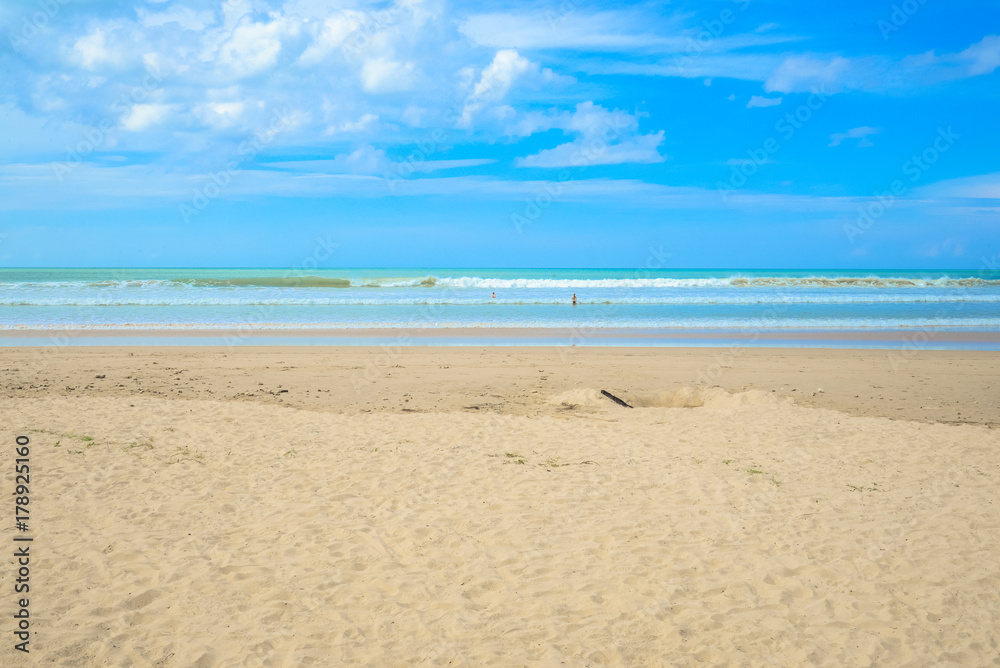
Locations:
480 283
716 298
733 281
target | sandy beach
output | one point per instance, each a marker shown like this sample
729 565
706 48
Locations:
466 506
527 334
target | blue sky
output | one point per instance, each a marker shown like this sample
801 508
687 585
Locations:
731 133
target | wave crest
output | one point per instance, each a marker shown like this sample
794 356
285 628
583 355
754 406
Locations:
480 283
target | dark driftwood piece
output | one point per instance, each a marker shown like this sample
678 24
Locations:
615 399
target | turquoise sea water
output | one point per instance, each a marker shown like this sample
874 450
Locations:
334 300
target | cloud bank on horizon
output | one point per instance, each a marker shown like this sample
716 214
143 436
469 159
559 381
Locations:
806 136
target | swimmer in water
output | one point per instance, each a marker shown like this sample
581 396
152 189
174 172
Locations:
574 299
494 296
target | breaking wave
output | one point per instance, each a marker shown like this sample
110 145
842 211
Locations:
202 299
475 282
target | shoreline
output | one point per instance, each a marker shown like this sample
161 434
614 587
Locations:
876 338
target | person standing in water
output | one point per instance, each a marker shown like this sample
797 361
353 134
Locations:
574 299
494 296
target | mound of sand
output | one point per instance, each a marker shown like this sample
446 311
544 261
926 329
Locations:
708 397
581 396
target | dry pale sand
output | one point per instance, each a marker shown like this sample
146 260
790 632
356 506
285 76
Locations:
488 506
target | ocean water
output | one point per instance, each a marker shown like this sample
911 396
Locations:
441 298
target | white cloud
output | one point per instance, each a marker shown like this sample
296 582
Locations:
364 160
402 45
234 10
807 73
743 66
984 186
982 57
604 137
804 73
615 31
436 165
414 115
92 50
143 116
859 133
382 75
734 57
761 101
331 36
368 160
221 72
496 80
601 31
222 114
332 64
359 125
254 47
587 118
586 153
